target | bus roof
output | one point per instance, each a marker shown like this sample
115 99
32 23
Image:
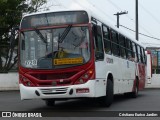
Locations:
91 14
58 10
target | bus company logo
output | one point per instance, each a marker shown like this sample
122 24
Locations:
20 115
6 114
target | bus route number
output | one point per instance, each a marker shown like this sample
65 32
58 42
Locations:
31 62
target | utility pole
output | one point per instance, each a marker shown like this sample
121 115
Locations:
118 14
137 37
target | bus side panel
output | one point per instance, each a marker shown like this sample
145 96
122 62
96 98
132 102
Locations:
130 75
123 72
142 77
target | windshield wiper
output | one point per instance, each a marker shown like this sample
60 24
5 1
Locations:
65 33
40 35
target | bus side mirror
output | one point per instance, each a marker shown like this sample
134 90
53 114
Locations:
13 35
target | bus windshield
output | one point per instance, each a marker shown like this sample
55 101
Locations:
55 48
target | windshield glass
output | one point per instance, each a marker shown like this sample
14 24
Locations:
55 48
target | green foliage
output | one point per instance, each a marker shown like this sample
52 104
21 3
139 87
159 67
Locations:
11 12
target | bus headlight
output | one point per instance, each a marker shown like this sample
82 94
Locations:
24 79
84 78
81 81
26 82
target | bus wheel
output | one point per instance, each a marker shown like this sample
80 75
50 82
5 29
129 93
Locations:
108 99
50 102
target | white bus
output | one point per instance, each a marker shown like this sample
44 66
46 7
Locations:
74 54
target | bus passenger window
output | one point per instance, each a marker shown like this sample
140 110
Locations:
122 46
133 50
129 54
106 39
107 45
115 45
142 55
138 54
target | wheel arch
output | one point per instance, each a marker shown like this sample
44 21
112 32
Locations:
110 76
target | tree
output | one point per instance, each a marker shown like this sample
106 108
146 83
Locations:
11 12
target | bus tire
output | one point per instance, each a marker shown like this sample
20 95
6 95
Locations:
107 100
50 102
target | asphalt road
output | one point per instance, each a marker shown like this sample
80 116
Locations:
148 100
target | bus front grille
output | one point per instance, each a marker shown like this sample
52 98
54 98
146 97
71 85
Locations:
51 91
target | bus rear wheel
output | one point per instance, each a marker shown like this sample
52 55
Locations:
107 100
50 102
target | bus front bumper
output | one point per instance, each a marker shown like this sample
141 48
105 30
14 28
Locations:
92 88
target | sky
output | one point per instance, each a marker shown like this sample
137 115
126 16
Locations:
149 18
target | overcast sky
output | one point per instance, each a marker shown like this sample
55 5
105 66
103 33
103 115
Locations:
149 18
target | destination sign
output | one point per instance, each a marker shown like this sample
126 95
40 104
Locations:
65 61
55 18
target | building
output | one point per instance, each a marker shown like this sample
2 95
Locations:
153 67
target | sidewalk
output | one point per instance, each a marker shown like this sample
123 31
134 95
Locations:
9 81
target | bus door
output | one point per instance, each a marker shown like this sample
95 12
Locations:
100 67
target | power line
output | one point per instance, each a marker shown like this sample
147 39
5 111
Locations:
140 33
118 8
114 20
101 11
118 14
111 2
94 7
148 12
